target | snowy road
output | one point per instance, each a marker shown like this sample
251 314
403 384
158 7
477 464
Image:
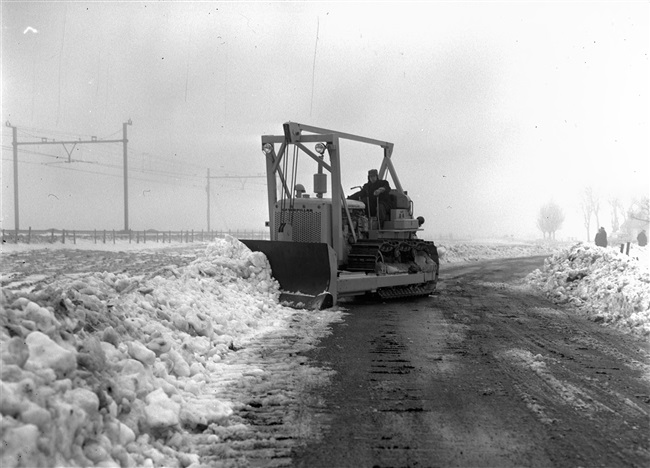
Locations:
483 374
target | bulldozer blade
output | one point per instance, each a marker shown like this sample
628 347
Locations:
306 271
303 301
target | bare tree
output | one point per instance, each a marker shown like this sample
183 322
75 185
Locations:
590 205
616 207
550 219
635 218
641 210
585 206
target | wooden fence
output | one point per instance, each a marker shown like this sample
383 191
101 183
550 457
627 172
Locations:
63 236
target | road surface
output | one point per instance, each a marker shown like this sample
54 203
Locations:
484 374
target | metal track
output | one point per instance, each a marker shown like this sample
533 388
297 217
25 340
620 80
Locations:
413 290
364 254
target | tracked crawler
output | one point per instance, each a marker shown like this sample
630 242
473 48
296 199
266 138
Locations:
324 249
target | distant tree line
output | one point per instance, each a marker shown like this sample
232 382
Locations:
625 221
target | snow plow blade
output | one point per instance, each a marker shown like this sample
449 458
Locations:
306 271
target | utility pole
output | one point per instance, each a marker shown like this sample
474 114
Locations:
207 188
126 175
14 132
45 141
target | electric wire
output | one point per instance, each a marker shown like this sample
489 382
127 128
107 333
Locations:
134 150
167 168
172 172
119 176
64 160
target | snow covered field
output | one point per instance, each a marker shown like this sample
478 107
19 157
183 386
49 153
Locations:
104 369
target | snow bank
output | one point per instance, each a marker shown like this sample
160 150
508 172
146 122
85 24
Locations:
606 285
113 370
471 252
110 369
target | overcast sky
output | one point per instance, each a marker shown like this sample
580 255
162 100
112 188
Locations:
494 108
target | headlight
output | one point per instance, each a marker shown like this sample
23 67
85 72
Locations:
320 148
267 148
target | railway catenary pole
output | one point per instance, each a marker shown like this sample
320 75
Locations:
225 177
207 188
14 132
126 175
45 141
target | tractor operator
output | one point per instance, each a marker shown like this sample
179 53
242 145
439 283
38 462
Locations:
375 192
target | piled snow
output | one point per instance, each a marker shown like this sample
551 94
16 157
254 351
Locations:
108 369
483 250
113 370
603 283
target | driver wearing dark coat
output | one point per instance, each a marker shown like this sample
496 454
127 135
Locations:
373 191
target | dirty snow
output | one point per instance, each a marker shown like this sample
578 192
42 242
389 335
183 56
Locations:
110 369
114 370
600 282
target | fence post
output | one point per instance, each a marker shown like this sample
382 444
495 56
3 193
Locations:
192 235
113 236
104 236
74 237
52 237
63 236
144 236
627 249
29 235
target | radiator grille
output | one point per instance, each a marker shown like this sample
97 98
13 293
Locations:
306 224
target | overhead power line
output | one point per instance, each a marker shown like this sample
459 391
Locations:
173 176
66 167
45 141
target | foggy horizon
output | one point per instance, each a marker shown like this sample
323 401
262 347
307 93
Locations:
494 108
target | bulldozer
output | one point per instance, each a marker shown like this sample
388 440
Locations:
322 250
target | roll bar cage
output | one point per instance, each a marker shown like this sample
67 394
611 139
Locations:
299 134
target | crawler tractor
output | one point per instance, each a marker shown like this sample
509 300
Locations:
324 249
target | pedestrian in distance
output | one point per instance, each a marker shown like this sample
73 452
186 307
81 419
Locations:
642 238
376 193
601 238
